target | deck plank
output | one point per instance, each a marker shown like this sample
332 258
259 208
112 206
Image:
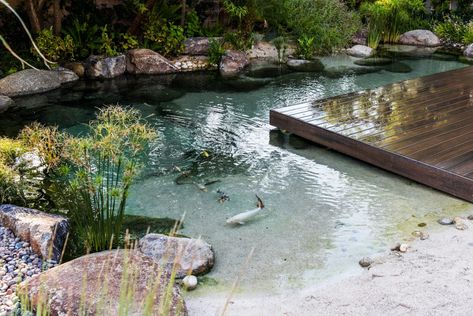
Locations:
419 128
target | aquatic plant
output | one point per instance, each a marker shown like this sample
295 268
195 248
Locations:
281 45
390 18
216 51
305 47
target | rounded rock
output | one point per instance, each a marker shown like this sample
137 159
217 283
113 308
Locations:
365 262
190 282
445 221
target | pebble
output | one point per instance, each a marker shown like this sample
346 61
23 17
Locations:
445 221
190 282
17 263
403 247
365 262
460 223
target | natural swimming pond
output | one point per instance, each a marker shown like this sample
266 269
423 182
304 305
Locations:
323 210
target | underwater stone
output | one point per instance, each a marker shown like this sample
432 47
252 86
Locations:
460 223
303 65
374 61
398 67
365 262
445 221
194 255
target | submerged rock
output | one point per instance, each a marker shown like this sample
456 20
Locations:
340 71
5 103
193 256
146 61
460 223
303 65
46 233
445 221
29 81
266 70
408 51
374 61
244 83
96 283
398 67
233 62
365 262
420 38
360 51
105 67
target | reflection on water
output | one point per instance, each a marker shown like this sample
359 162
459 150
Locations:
323 210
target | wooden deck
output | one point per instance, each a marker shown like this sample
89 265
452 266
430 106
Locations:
421 129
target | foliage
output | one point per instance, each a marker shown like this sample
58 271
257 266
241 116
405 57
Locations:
237 12
468 36
305 47
54 47
107 45
128 42
11 183
216 51
86 36
90 176
280 43
239 40
453 29
192 27
164 37
388 19
328 21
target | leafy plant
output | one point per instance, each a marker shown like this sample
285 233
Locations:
390 18
468 36
235 11
164 37
239 40
451 29
193 26
107 45
328 21
86 37
54 47
216 51
280 43
128 42
305 46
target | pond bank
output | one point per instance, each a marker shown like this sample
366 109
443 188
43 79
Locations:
433 275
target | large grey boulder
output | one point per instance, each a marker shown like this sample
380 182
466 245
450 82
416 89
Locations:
98 67
106 283
46 233
468 52
360 51
420 38
233 62
146 61
29 81
5 103
194 256
198 45
303 65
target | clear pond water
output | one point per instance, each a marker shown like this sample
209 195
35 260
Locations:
324 211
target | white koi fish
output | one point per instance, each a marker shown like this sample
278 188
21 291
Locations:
242 218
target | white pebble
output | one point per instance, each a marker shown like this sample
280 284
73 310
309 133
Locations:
189 282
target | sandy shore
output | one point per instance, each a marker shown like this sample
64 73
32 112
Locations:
435 277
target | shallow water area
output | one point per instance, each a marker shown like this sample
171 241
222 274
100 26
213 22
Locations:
324 211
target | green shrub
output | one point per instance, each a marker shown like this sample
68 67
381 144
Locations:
54 47
86 37
305 47
328 21
107 45
164 37
128 42
193 26
216 51
468 36
239 40
451 28
389 19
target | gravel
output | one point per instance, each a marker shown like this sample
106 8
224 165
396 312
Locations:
17 263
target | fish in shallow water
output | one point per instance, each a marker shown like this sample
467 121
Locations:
242 218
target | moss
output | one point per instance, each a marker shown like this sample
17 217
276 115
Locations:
207 281
139 225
